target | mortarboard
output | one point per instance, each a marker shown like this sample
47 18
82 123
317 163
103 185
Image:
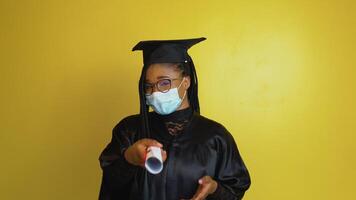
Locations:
166 51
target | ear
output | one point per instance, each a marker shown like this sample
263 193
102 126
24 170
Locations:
186 82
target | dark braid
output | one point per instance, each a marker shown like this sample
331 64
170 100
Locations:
143 106
187 69
194 85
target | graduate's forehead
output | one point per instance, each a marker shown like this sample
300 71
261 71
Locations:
159 71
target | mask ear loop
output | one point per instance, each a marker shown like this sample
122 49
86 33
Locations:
185 92
181 83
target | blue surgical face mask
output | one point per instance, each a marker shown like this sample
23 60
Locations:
165 103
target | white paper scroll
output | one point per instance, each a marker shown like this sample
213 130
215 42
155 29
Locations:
154 162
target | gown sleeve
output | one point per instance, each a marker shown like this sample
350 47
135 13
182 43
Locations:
232 175
117 172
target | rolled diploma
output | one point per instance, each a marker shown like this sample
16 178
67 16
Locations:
153 161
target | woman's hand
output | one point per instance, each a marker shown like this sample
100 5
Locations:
206 186
136 153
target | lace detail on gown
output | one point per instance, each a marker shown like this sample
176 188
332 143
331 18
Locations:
177 121
175 128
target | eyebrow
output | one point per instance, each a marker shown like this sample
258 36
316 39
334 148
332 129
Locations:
159 77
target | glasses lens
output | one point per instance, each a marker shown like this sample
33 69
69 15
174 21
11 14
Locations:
164 85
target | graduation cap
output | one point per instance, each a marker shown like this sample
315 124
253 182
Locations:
166 51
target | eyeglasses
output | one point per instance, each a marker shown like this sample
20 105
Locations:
163 85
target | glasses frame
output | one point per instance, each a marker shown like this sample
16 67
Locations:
155 85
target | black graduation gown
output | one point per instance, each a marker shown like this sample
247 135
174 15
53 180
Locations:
204 147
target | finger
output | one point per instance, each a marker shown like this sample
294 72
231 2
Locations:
205 180
197 192
203 193
142 159
150 142
164 155
202 183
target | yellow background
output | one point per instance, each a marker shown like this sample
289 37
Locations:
280 75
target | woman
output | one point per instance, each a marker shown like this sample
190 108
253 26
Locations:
201 159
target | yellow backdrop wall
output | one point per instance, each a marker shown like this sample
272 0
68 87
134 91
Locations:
280 75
